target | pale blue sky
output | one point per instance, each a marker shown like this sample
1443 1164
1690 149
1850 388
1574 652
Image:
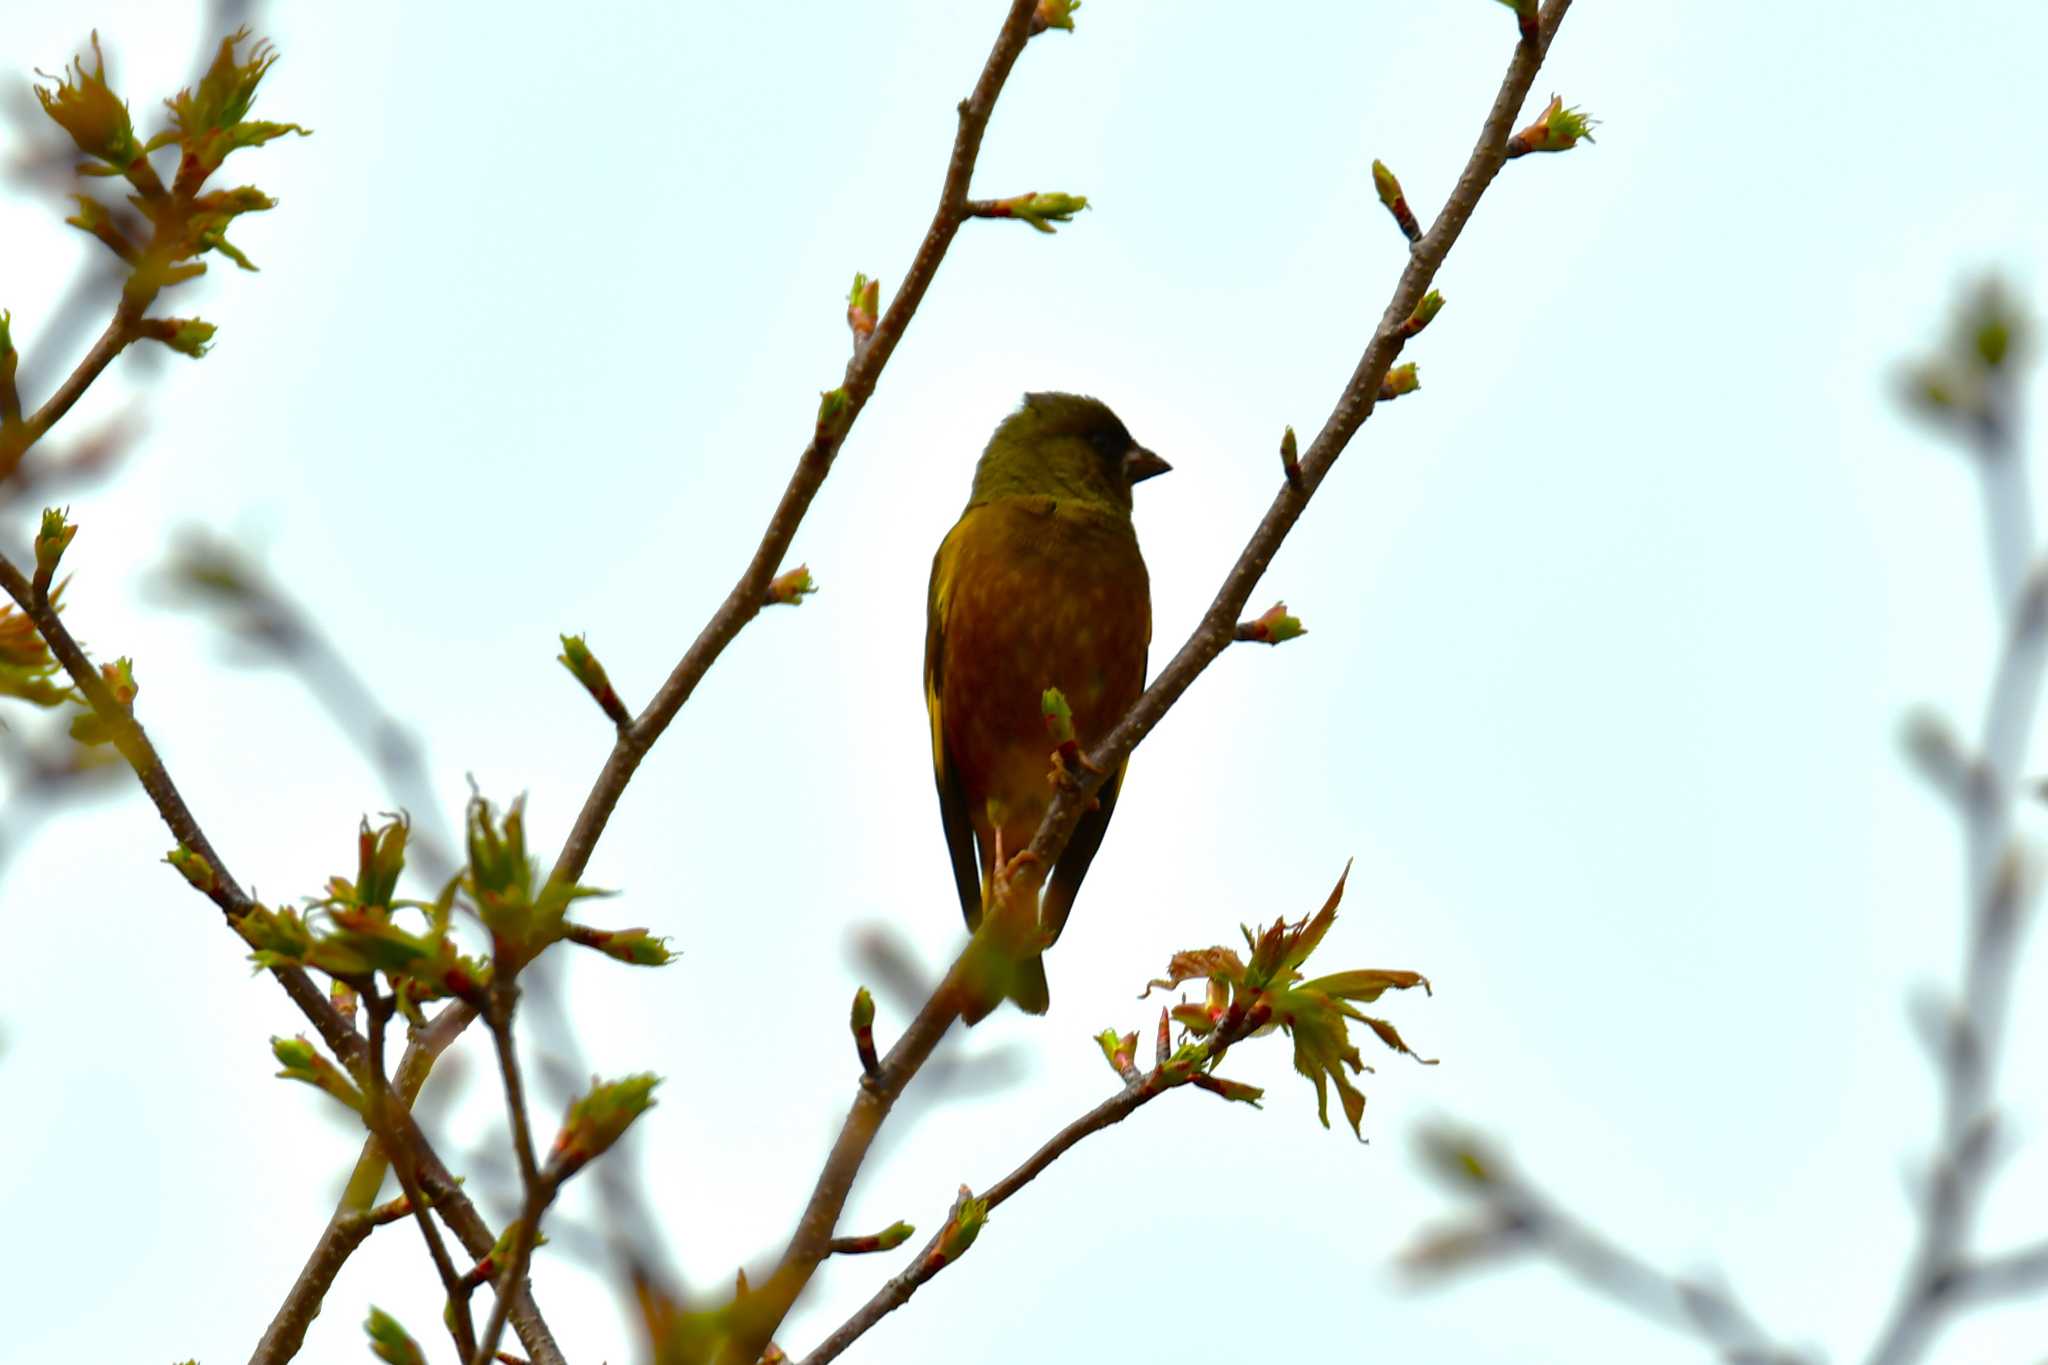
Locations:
1611 629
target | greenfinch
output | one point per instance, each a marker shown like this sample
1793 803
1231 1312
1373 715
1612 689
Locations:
1039 584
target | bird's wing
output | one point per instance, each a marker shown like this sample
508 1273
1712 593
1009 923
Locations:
1065 882
952 795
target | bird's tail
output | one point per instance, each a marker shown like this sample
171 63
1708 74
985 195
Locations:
1007 963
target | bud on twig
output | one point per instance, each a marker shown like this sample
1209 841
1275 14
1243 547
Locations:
390 1342
194 869
302 1062
634 947
1389 190
1556 129
600 1119
863 309
186 336
1272 627
1041 211
82 104
1053 14
1425 312
790 589
969 1214
888 1239
863 1022
52 539
1120 1051
1401 379
584 667
835 415
1290 459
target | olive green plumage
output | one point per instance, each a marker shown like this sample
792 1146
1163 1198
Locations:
1039 584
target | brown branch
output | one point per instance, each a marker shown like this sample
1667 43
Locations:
405 1165
354 1219
134 745
863 371
1141 1090
538 1186
1218 626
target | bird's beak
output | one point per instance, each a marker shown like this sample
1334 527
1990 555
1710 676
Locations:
1142 464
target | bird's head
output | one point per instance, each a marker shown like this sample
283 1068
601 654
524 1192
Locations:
1064 446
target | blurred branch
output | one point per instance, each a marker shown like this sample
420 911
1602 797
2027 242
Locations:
1514 1217
1985 355
209 571
1972 391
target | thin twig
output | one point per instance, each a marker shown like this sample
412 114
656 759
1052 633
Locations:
538 1186
1141 1090
134 745
1218 626
382 1112
1972 1041
863 371
352 1222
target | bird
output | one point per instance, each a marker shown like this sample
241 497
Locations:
1039 584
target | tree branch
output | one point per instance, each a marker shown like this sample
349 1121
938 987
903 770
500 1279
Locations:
1218 626
537 1186
353 1222
1968 1051
930 1261
404 1163
863 372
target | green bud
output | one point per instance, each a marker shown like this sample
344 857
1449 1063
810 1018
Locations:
194 869
1389 190
390 1342
835 415
584 667
1556 129
1400 380
302 1062
119 677
600 1119
1054 14
1432 303
1272 627
1058 716
863 1009
863 307
52 540
82 104
186 336
1290 458
790 589
969 1216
